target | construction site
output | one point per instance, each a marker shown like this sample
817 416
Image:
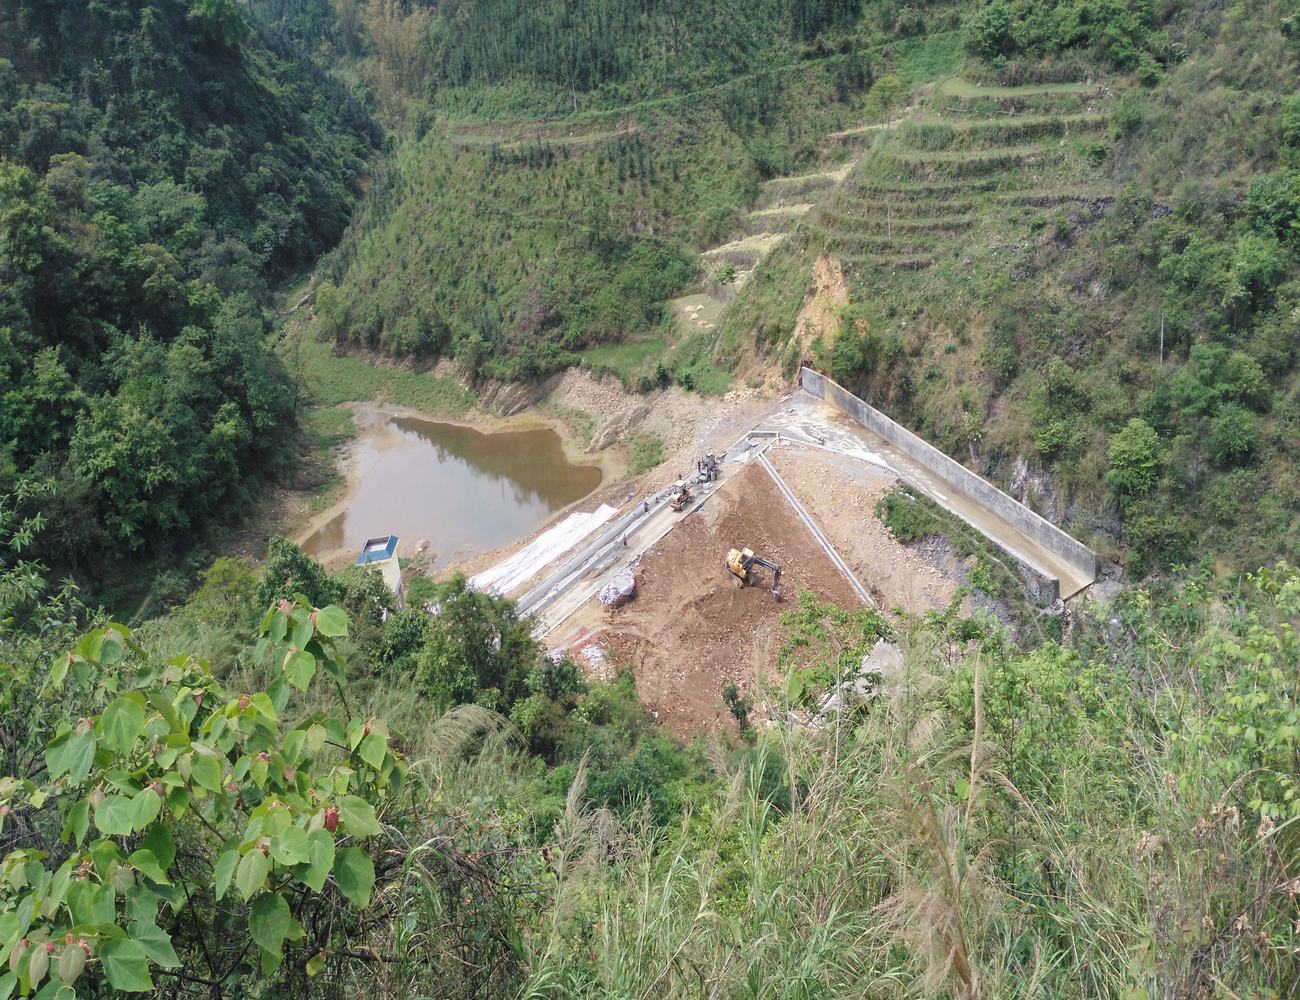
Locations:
686 579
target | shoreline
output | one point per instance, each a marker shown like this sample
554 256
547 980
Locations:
373 426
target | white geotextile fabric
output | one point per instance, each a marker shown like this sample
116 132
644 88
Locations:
541 551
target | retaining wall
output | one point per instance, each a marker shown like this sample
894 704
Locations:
956 475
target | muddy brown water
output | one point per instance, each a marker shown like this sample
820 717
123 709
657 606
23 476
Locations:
464 490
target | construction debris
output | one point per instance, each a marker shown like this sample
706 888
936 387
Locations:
884 660
619 590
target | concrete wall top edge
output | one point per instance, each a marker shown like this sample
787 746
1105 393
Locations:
953 472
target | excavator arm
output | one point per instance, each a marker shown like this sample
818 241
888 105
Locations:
767 565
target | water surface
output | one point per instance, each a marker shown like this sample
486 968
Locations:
464 490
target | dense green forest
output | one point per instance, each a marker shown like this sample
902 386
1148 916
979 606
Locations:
163 169
1070 239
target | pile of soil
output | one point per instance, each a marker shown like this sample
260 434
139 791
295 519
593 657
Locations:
689 631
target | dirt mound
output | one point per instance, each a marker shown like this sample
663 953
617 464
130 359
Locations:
689 632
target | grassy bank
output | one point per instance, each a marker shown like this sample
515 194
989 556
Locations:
326 378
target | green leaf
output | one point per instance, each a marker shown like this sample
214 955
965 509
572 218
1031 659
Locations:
206 771
59 673
251 873
11 929
225 870
90 903
141 903
123 723
372 750
113 648
157 698
320 848
71 754
291 846
332 621
301 628
300 668
316 964
156 942
268 922
355 874
262 702
126 965
145 807
56 990
115 816
9 982
358 816
159 841
145 863
78 822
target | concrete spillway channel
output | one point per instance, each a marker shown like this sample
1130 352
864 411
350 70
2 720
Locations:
817 532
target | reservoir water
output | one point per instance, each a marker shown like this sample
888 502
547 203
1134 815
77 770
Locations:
464 490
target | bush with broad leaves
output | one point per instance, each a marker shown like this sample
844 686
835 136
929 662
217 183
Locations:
192 833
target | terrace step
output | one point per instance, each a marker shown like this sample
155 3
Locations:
886 262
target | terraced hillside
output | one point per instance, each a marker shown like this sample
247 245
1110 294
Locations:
521 247
953 185
1078 287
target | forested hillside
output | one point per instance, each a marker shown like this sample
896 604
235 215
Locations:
536 239
163 168
1054 270
1078 267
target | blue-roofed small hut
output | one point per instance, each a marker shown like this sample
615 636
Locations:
380 555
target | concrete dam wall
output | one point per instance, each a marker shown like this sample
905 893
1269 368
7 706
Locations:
1074 565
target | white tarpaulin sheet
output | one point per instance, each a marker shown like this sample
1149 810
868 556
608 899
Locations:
510 573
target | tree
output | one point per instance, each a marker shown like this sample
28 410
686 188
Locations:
220 20
1136 457
36 620
289 571
177 795
38 413
401 47
476 650
1232 435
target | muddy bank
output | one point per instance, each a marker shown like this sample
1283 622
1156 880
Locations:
451 488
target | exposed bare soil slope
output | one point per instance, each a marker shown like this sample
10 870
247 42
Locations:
689 631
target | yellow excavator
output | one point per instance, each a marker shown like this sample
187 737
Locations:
741 563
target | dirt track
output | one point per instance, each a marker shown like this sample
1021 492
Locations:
689 632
